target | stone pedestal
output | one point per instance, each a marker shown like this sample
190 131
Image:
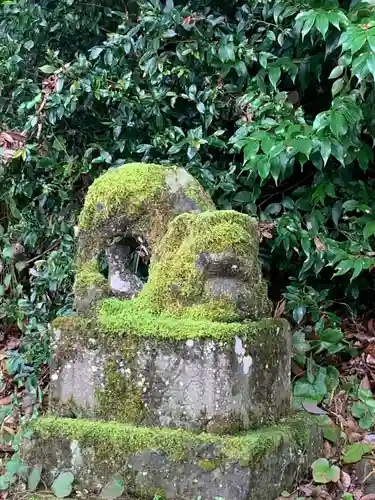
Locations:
183 390
206 377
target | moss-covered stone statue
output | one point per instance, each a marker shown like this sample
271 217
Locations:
180 385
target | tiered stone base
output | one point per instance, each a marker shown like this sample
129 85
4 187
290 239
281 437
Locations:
175 464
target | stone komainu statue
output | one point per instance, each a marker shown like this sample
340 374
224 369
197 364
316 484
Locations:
179 384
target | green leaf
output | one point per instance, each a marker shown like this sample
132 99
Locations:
250 150
322 24
15 466
63 485
364 413
108 57
357 42
332 335
325 149
336 72
176 148
200 107
371 42
324 473
274 73
309 23
226 51
298 314
95 52
263 166
169 5
276 150
300 344
358 267
347 496
354 452
338 86
243 197
5 481
302 145
114 489
369 229
338 123
34 477
331 432
273 208
48 69
371 65
311 388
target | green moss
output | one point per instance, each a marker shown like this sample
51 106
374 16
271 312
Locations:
114 441
130 319
126 319
88 276
131 187
207 465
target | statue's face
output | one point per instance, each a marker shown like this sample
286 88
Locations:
207 259
228 276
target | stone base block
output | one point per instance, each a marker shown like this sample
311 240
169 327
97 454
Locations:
175 464
163 372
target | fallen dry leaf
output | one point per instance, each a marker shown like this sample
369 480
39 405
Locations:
357 494
327 449
6 400
314 409
280 308
10 142
265 230
13 343
365 383
370 496
319 244
345 480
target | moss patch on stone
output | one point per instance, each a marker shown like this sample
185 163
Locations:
121 399
115 442
207 465
129 318
118 319
89 276
128 188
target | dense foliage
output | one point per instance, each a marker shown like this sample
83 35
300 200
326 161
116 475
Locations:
268 103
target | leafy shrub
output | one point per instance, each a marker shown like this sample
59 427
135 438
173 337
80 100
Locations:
268 103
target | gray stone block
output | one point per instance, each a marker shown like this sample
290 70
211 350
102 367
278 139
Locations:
176 464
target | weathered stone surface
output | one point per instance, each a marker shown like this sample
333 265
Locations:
176 464
237 379
134 201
